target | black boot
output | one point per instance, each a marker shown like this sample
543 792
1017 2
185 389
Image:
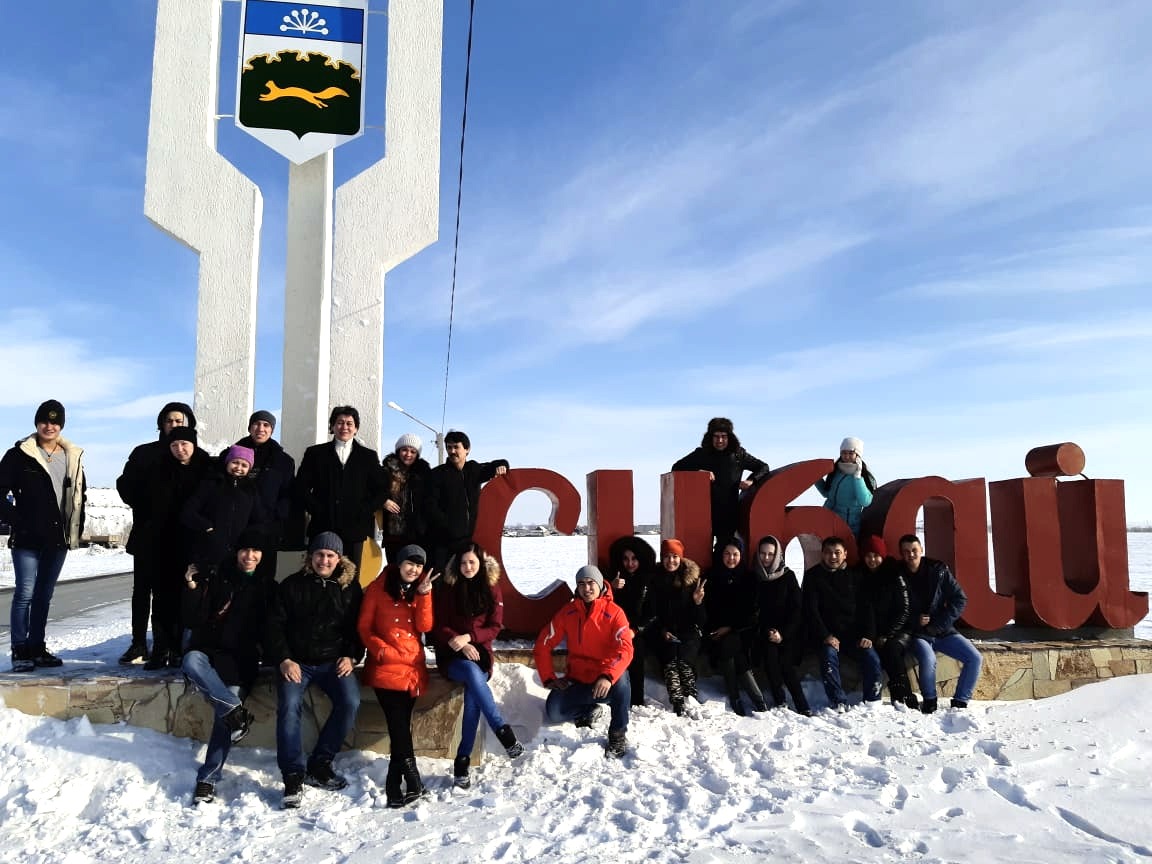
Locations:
22 659
507 737
928 706
414 786
460 778
157 660
675 688
393 791
41 659
136 651
748 682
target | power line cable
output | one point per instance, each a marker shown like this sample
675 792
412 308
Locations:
459 198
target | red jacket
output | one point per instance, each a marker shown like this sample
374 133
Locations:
390 629
599 641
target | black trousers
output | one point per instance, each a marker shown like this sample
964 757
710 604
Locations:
142 566
781 671
397 706
167 590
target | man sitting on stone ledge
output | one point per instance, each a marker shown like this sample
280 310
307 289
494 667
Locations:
224 613
599 652
312 637
935 603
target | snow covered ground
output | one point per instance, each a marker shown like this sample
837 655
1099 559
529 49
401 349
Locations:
1059 780
1062 779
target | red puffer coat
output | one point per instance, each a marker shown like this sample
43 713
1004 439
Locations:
599 641
390 629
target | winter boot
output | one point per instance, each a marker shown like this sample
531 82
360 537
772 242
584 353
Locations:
617 744
675 687
205 793
157 660
136 651
688 680
507 737
21 659
414 786
460 778
393 791
321 775
728 670
293 791
928 706
960 703
41 659
748 682
588 720
239 722
911 701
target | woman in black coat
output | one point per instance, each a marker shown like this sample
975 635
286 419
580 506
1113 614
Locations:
632 563
405 476
731 617
780 623
162 538
883 608
677 617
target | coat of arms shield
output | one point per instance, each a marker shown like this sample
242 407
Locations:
300 84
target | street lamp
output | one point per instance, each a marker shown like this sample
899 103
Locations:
439 436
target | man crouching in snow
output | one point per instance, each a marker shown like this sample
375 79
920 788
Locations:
599 651
312 635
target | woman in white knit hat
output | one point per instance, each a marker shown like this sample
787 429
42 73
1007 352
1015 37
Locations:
848 488
404 472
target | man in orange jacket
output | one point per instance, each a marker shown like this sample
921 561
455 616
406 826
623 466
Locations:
599 651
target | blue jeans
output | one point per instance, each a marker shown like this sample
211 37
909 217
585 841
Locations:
344 692
477 698
870 672
203 678
576 700
36 573
924 648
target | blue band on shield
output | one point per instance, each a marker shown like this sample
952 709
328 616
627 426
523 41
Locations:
304 21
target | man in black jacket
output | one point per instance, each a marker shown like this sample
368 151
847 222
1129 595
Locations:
829 594
224 613
935 603
453 497
341 485
725 461
312 638
133 485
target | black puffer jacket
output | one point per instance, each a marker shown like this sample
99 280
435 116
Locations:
882 603
727 467
218 512
671 607
225 616
633 597
313 620
729 598
830 604
36 517
165 489
273 472
935 592
453 500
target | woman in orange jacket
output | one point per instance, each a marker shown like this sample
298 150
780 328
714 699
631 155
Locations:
397 608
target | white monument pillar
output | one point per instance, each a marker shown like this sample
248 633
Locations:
389 212
201 199
307 305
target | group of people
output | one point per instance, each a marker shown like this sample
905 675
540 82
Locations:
206 531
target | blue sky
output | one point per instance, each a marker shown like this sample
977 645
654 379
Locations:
925 225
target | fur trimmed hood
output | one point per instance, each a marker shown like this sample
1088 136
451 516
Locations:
489 566
345 568
687 575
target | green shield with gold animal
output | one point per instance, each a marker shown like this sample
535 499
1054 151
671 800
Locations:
300 85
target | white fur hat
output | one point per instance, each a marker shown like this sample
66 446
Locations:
408 440
853 444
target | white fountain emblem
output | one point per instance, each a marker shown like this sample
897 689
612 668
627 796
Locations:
304 21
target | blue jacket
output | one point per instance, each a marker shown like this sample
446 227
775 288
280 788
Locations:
846 496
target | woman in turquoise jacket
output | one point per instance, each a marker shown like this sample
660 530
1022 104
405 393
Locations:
848 488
